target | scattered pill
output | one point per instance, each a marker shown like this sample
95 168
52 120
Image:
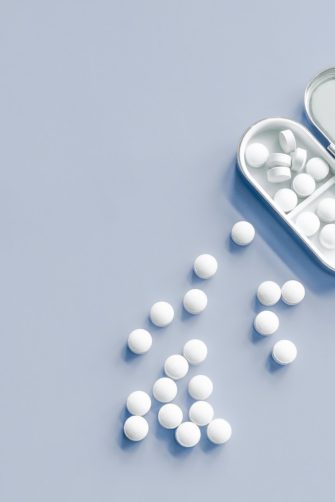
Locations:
200 387
284 352
201 413
279 174
205 266
138 403
308 223
327 236
303 184
219 431
136 428
242 233
326 210
188 434
256 154
195 351
286 199
317 168
279 159
170 416
287 141
161 314
165 390
299 158
268 293
266 323
139 341
176 366
292 292
195 301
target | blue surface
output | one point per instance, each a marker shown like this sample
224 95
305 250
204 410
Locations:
119 124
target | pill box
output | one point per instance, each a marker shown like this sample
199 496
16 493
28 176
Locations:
320 109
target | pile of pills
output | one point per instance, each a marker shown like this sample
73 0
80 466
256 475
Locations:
321 222
291 165
266 322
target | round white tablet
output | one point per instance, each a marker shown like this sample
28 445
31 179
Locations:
188 434
266 323
139 341
219 431
284 352
200 387
161 314
287 141
136 428
299 158
292 292
164 389
256 154
201 413
279 159
327 236
268 293
195 301
286 199
170 416
195 351
326 210
138 403
205 266
303 184
176 366
242 233
317 168
279 174
308 223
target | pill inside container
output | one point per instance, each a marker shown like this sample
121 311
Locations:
314 186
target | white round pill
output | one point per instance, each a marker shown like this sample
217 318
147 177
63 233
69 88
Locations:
138 403
326 210
136 428
327 236
286 199
195 301
292 292
139 341
317 168
164 389
176 366
299 158
205 266
268 293
195 351
303 184
200 387
201 413
308 223
279 159
219 431
161 314
242 233
279 174
284 352
188 434
287 141
266 323
256 154
170 416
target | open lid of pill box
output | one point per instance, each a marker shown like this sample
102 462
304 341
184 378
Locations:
320 109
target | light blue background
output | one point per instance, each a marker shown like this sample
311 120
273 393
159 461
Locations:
119 124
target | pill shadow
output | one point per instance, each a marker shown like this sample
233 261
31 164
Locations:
206 445
255 337
128 356
272 366
275 232
194 279
168 437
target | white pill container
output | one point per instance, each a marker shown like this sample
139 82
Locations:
320 109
